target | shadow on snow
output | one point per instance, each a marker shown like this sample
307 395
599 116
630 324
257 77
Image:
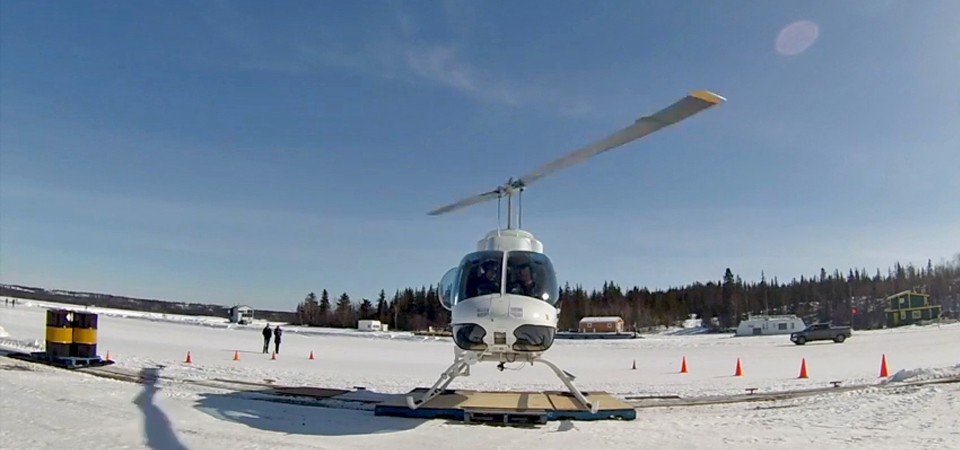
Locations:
159 432
239 407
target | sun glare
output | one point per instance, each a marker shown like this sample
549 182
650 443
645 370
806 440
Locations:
797 37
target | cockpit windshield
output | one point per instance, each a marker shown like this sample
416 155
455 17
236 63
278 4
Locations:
531 274
527 273
480 274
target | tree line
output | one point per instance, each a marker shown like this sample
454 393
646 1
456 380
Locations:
408 309
854 297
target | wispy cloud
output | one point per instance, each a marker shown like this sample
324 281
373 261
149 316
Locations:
443 65
441 61
404 48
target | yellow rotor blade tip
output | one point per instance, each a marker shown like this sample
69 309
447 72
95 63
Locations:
708 96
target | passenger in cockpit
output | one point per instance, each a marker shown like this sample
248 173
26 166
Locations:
489 278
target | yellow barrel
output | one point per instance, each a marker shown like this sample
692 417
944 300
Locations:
59 333
84 335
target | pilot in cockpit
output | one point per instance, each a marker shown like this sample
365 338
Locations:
525 284
489 278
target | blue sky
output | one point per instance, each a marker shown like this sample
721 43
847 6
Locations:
251 152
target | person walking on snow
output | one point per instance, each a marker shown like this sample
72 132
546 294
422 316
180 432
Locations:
266 338
276 339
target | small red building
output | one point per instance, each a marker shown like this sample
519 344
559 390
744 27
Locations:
610 324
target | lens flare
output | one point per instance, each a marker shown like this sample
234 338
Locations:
797 37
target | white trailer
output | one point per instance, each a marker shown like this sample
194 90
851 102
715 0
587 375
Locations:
766 325
369 325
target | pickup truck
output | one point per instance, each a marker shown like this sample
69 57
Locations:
821 332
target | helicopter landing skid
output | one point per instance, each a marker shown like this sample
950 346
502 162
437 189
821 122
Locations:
567 380
461 367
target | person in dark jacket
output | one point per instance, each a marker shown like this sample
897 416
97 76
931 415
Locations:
490 279
266 338
277 332
525 284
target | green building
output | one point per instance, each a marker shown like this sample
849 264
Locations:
905 308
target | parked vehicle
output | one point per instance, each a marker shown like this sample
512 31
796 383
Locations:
821 332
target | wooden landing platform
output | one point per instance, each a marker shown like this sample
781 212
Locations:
508 407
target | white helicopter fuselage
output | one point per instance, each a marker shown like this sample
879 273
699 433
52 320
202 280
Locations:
504 315
516 321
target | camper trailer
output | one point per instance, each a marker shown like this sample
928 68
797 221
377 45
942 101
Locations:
767 325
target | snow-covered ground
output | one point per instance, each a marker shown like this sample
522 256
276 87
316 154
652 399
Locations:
44 407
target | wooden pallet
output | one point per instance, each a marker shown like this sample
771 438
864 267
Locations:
65 362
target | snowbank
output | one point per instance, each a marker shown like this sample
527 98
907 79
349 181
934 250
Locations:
924 374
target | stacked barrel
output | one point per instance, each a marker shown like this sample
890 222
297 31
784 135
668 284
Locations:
71 334
59 332
84 335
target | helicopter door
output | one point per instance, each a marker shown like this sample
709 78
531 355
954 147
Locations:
448 288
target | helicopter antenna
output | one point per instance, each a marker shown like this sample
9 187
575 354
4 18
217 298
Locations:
499 197
684 108
509 211
520 209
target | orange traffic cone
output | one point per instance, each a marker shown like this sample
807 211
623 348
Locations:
108 356
803 368
311 354
683 367
739 369
634 365
236 355
189 360
884 372
274 355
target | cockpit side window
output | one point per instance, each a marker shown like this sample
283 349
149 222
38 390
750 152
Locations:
447 290
531 274
480 274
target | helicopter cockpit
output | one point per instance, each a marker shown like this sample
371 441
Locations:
530 274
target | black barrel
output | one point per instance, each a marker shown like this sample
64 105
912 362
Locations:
84 335
59 333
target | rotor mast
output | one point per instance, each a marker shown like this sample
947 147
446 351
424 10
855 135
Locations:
511 188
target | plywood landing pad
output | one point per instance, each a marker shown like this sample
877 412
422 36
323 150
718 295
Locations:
508 407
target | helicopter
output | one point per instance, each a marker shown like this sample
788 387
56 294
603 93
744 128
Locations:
504 298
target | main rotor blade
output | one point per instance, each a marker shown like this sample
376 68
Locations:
466 202
680 110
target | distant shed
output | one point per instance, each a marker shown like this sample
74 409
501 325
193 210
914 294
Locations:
608 324
242 315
